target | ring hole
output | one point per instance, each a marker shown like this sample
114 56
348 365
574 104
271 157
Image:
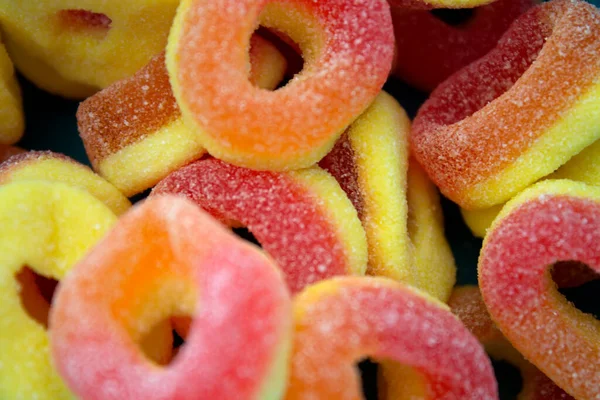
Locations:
369 371
579 284
245 234
454 17
78 20
290 50
37 292
510 380
165 339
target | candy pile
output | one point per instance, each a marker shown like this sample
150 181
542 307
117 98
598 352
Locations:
271 116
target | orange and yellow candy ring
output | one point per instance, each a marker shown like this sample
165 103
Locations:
347 49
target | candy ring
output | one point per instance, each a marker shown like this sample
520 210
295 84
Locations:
133 132
466 303
49 166
12 120
584 167
359 317
551 221
7 151
303 219
76 47
468 137
46 228
429 50
347 47
371 162
168 257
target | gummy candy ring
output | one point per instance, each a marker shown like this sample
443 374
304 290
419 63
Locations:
429 50
167 257
342 320
552 221
518 113
397 205
347 47
54 167
133 132
303 219
467 304
76 47
65 223
584 167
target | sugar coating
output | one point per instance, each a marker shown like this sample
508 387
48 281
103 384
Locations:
133 131
54 167
583 167
554 220
403 223
518 113
74 48
428 50
166 257
342 320
466 303
303 219
348 50
47 227
12 120
7 151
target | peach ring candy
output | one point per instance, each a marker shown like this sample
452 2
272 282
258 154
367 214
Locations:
519 112
584 167
429 50
466 303
7 151
54 167
12 120
46 228
133 131
371 164
347 47
74 48
168 257
358 317
550 222
303 219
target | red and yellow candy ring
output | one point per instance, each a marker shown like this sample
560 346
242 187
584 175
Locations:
550 222
519 112
360 317
167 257
303 219
133 131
